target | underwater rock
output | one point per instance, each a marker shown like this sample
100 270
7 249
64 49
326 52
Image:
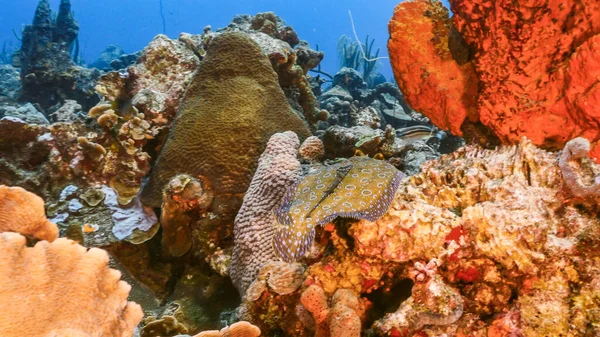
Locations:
156 83
111 53
10 83
281 277
124 61
361 140
254 225
432 303
351 102
27 113
548 91
70 111
48 74
581 186
61 284
37 157
219 103
23 212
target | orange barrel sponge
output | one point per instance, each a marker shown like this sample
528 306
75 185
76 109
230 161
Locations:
61 289
430 78
23 212
538 63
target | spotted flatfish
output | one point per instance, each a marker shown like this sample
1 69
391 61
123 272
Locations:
359 188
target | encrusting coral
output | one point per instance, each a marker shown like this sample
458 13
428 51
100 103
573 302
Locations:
239 329
182 196
67 290
537 66
234 92
254 226
23 212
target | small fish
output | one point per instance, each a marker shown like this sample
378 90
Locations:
359 188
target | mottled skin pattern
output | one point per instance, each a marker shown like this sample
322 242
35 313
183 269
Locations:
229 111
359 188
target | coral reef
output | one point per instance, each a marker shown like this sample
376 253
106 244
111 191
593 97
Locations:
255 223
68 289
226 96
475 68
23 212
507 242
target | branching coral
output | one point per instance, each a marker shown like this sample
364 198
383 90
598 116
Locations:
23 212
68 289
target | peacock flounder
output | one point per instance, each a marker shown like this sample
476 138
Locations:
359 188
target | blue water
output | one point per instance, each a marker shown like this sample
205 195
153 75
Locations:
131 24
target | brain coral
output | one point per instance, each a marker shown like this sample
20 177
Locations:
536 62
61 289
229 111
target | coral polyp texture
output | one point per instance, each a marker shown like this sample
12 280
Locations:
234 92
62 289
23 212
254 227
537 66
358 188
